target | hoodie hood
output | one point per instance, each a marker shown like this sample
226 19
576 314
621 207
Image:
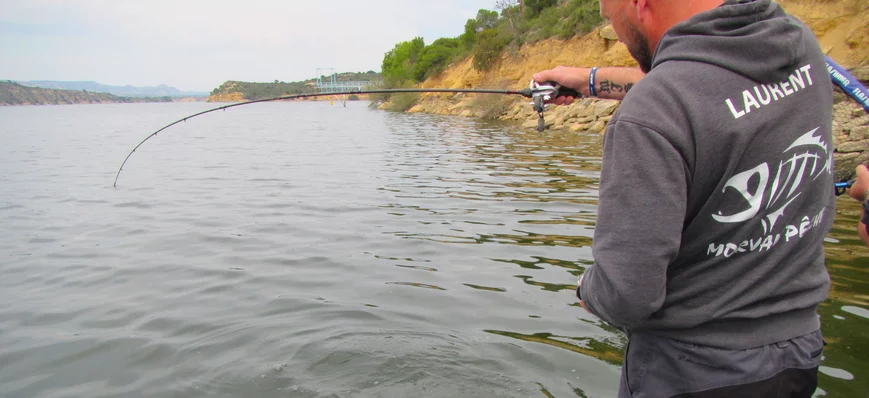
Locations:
741 32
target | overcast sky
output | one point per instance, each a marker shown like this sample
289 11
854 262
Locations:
199 44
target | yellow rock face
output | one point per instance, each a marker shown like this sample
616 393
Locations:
515 67
841 26
227 97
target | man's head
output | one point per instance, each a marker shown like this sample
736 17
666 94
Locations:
640 24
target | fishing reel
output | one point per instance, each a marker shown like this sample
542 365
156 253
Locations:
542 93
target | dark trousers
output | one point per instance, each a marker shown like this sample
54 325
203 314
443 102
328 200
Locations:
659 367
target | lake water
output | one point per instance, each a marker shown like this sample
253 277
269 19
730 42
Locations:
309 250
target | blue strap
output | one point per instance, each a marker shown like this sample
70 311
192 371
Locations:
591 78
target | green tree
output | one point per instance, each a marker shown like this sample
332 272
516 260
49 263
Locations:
434 58
533 8
397 66
469 38
582 17
485 19
489 46
511 12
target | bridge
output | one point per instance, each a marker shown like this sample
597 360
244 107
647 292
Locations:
328 83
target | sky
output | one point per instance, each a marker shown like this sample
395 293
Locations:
195 45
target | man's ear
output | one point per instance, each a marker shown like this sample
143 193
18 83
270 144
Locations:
642 9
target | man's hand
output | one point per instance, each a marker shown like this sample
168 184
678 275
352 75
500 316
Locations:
578 286
575 78
858 190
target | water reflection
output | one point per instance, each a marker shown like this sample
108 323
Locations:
604 350
305 250
414 284
486 288
544 187
845 356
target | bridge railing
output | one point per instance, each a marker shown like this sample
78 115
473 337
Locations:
334 87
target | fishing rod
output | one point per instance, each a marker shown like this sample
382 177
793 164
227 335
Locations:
540 93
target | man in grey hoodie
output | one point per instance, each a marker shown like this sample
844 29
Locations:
715 199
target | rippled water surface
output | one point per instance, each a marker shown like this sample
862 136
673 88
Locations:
308 250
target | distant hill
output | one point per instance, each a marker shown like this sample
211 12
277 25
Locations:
234 91
17 94
122 91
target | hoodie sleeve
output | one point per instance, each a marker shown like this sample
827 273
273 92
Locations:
643 198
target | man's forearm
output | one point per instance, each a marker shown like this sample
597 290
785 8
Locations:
615 82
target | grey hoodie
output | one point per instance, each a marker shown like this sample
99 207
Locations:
716 185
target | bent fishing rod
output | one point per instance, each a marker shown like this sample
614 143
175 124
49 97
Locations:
540 93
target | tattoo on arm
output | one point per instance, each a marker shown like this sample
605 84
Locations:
605 87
